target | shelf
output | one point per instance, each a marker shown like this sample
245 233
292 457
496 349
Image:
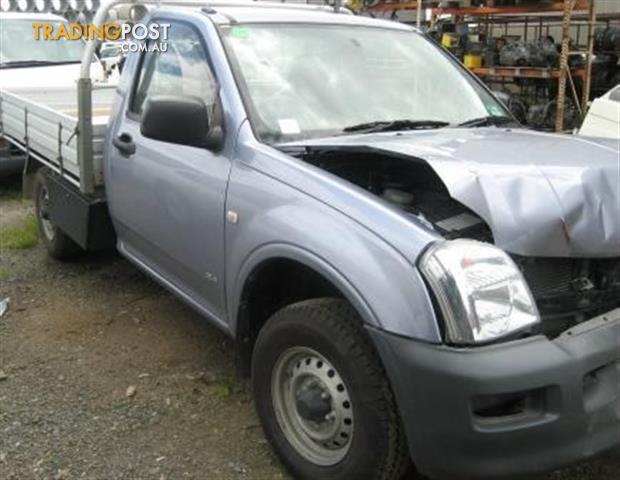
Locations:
525 72
557 7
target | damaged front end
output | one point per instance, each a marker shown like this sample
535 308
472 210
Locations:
567 290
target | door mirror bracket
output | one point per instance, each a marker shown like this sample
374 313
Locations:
215 139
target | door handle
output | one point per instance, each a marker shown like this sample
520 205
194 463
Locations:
124 144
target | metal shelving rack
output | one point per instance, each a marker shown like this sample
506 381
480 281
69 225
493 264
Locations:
490 15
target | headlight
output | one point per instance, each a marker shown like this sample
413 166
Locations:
480 291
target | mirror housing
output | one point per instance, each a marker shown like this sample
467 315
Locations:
184 120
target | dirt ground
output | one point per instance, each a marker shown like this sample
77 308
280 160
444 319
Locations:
104 375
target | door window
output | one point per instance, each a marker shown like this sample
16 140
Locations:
182 69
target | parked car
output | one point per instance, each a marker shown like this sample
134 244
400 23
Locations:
111 54
26 63
603 118
408 275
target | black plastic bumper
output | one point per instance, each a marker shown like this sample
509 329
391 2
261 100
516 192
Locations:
510 409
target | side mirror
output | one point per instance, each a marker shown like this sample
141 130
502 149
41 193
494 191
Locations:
180 119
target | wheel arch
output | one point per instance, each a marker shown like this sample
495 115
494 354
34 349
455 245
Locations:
306 275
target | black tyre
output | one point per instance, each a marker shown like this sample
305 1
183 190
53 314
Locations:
323 398
57 243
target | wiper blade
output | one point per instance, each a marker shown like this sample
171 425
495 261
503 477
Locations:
490 120
394 125
33 63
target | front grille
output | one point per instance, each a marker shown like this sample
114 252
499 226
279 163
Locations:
549 275
568 290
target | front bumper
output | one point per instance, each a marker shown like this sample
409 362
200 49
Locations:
509 409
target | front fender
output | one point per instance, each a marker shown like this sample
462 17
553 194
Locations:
276 220
265 253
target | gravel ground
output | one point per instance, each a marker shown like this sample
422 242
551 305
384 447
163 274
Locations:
104 375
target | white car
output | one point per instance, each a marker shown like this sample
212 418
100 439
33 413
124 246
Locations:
603 118
30 64
111 54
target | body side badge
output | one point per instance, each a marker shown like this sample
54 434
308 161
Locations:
232 216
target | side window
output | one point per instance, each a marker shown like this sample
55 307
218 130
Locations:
182 69
615 94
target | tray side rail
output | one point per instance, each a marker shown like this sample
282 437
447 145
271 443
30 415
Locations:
47 135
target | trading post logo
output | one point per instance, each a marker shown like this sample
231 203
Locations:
156 33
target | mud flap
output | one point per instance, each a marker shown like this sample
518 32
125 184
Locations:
84 219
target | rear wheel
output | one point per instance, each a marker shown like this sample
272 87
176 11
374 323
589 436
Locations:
323 397
57 243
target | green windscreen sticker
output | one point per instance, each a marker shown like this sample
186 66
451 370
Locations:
240 32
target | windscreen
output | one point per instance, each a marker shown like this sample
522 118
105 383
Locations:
305 81
18 46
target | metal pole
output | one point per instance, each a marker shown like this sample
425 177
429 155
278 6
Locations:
587 84
85 136
418 21
561 102
526 25
573 89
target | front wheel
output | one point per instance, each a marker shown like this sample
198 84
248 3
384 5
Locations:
323 397
57 243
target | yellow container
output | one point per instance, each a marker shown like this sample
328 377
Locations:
473 61
450 40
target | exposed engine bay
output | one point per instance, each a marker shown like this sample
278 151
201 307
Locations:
567 290
410 186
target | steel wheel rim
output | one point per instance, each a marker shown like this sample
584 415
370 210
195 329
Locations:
46 224
312 406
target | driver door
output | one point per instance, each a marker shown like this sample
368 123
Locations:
168 199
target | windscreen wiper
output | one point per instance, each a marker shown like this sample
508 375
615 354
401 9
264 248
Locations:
32 63
395 125
489 121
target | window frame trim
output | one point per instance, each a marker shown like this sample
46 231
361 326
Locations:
132 115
